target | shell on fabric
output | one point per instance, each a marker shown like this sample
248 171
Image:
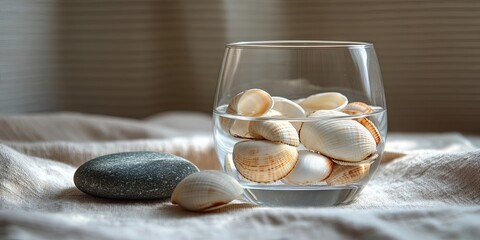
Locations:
275 131
347 174
264 161
310 168
342 139
206 191
289 109
324 101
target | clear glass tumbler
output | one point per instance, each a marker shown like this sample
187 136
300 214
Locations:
300 123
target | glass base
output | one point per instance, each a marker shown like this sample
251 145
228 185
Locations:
309 196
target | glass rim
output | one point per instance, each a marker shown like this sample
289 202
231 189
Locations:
299 44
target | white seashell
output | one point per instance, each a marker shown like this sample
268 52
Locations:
310 168
264 161
206 191
347 174
289 109
341 139
251 103
275 131
324 101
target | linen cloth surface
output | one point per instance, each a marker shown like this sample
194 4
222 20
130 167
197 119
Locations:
427 187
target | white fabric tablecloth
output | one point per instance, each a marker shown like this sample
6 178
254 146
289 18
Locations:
432 192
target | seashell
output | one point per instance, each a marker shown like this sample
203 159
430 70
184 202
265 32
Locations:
289 109
251 103
342 139
310 168
324 101
347 174
264 161
275 131
206 191
368 160
355 108
371 128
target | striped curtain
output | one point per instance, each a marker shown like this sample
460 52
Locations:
139 57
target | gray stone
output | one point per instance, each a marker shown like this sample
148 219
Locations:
133 175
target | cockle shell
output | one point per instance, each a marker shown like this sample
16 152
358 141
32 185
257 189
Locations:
341 139
206 191
371 128
347 174
324 101
275 131
310 168
355 108
251 103
289 109
264 161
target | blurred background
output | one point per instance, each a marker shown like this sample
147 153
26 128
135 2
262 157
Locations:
140 57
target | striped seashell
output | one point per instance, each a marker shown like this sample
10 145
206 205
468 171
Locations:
371 128
275 131
355 108
347 174
342 139
206 191
264 161
358 108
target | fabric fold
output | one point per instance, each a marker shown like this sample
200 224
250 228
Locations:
426 187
